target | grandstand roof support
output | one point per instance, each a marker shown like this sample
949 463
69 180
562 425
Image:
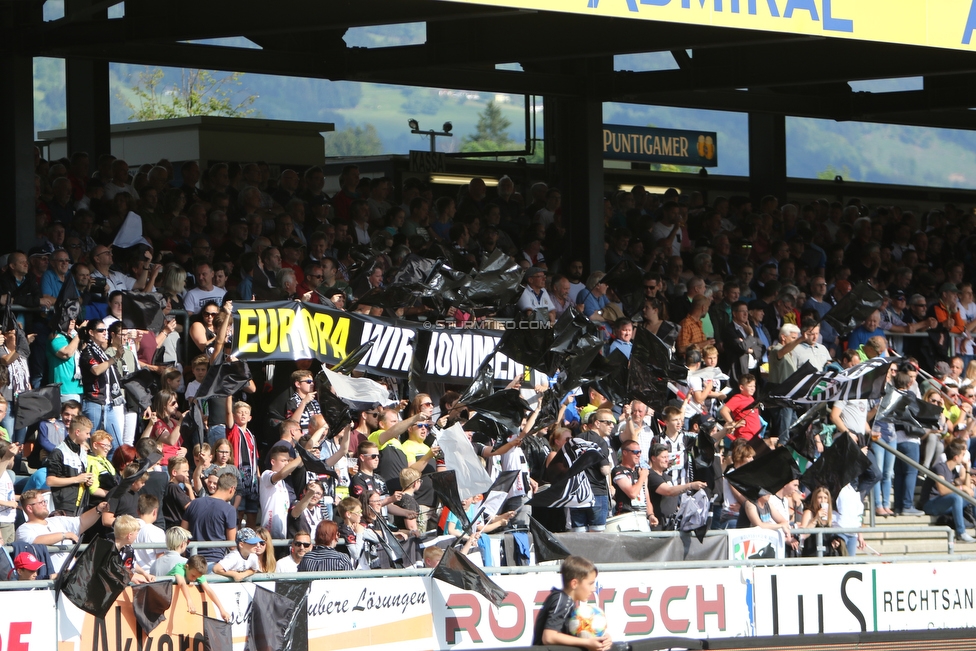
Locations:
88 100
574 161
17 145
767 155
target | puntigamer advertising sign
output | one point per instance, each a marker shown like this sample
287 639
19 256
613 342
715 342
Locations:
650 145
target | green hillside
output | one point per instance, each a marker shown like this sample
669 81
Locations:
871 152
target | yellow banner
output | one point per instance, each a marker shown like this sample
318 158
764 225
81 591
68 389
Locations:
934 23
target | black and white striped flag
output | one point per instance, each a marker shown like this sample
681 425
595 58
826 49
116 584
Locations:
862 382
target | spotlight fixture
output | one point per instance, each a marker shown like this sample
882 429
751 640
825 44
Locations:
430 133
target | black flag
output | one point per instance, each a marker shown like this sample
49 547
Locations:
314 464
38 404
217 635
392 546
483 384
526 345
908 412
446 488
349 363
125 483
97 578
839 465
68 306
771 472
139 389
10 322
142 311
150 602
487 431
495 495
506 407
223 378
627 282
334 411
455 569
547 546
273 618
854 308
495 284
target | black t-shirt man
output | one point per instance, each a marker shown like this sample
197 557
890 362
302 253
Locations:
621 501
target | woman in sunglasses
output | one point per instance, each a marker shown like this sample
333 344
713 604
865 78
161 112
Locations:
103 399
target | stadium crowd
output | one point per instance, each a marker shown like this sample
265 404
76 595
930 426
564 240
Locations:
733 286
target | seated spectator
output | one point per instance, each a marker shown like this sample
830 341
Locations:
25 568
943 501
41 528
264 551
324 557
242 562
301 542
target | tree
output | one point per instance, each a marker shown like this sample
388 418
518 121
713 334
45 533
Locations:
491 133
831 173
198 92
354 141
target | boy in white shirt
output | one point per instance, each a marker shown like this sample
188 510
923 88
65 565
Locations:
242 562
273 492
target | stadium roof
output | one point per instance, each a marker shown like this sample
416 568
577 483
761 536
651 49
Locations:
742 57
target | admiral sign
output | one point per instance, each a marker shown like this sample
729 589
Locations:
933 23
